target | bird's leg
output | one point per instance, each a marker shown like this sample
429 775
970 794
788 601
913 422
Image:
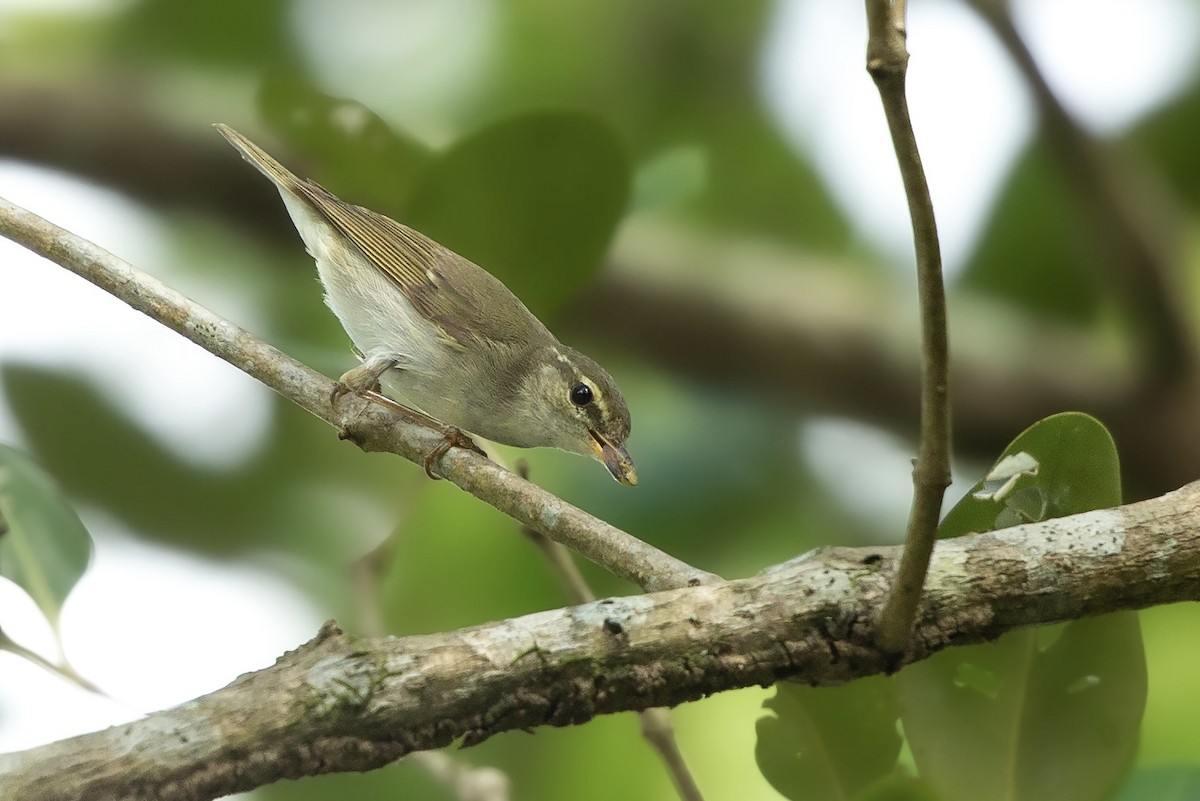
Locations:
363 381
452 436
365 377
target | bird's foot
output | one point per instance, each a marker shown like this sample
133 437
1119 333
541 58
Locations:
452 437
356 381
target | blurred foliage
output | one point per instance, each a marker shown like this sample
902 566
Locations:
219 34
1166 139
380 163
1163 783
1035 251
581 115
536 197
667 73
898 788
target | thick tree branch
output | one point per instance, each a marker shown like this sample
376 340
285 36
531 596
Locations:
372 427
341 704
887 62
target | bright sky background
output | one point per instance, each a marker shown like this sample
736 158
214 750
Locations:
133 625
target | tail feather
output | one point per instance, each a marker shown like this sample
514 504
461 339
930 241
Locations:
279 175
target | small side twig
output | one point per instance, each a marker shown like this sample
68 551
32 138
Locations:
468 783
364 583
656 721
887 62
658 731
62 669
465 781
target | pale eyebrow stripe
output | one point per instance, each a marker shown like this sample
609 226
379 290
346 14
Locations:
598 395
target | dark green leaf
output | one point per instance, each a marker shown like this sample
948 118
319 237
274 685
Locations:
109 460
1023 718
44 548
1036 251
533 199
216 32
828 743
1169 136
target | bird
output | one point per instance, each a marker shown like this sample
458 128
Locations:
441 336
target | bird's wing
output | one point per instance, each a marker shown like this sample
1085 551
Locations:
456 294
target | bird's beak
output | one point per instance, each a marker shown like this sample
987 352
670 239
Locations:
615 458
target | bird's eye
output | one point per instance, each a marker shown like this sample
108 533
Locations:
581 394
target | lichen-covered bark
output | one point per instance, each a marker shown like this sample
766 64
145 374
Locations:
339 703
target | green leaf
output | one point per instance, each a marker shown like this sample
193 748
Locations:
533 199
44 548
1031 716
1078 470
1010 720
828 743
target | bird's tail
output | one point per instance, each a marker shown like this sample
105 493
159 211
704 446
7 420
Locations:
268 166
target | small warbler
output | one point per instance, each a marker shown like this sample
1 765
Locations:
440 333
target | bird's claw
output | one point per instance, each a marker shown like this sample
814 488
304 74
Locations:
344 387
452 437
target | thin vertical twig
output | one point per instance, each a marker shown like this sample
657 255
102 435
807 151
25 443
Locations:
656 722
887 63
